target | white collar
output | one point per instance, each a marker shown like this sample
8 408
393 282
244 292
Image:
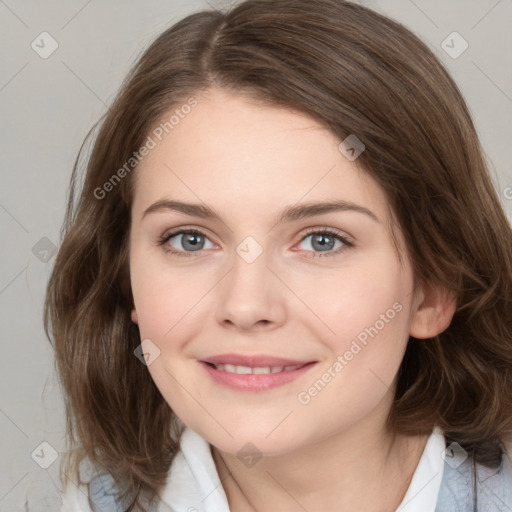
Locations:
424 488
193 483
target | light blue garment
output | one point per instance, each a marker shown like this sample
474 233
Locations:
103 495
492 487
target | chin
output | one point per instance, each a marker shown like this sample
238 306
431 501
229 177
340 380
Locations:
246 440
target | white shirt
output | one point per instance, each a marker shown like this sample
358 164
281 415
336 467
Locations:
193 484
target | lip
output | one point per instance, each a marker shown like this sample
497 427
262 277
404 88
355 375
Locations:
252 361
254 382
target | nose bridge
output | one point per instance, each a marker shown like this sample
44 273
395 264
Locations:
250 293
249 272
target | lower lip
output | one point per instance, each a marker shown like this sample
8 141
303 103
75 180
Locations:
255 382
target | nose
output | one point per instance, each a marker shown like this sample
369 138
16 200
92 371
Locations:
251 297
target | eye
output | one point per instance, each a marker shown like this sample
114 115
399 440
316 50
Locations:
324 241
184 241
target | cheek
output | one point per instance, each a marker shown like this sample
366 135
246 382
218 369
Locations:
165 301
373 293
167 308
367 311
371 333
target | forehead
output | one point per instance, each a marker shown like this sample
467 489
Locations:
230 151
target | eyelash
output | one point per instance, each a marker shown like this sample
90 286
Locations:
315 231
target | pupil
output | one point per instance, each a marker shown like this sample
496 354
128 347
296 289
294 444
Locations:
323 245
192 240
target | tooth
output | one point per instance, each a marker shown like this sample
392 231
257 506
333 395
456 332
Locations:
243 369
261 369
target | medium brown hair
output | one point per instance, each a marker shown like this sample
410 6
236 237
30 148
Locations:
355 72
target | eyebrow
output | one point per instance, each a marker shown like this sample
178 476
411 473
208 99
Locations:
290 213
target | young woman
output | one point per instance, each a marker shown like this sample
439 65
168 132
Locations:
287 281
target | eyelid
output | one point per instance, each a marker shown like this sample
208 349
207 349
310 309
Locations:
188 229
334 231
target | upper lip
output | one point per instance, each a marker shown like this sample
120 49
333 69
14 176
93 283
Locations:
253 361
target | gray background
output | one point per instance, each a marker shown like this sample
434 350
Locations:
47 105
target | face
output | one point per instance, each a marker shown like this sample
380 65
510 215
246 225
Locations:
270 321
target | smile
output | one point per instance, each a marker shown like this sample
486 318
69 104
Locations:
261 370
253 373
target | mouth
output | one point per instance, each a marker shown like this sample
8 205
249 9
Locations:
253 373
257 370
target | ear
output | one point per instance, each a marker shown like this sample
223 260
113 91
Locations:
135 320
432 312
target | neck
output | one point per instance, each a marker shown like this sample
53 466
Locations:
364 467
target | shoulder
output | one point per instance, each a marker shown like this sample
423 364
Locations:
470 486
75 498
97 492
193 483
101 494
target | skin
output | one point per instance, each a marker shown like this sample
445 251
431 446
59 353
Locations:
248 162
